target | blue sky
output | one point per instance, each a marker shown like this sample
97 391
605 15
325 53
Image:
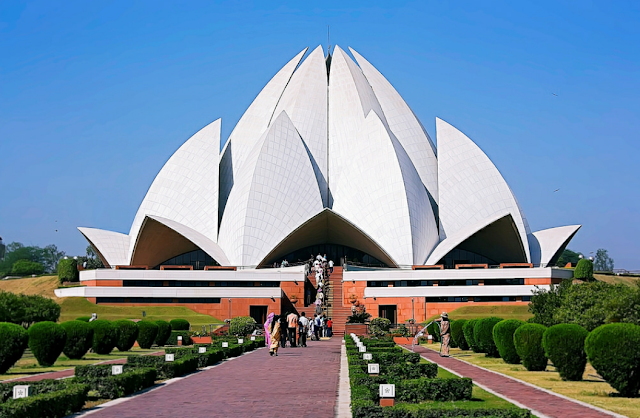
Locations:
95 97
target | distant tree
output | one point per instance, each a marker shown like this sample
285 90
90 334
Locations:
602 261
92 259
26 268
27 309
51 256
545 303
568 256
584 270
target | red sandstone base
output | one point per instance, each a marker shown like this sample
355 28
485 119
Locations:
386 402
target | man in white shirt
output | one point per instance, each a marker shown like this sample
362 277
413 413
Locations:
303 328
330 266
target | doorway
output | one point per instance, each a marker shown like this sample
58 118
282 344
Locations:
389 312
259 313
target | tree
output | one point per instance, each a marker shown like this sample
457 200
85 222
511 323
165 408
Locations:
602 261
568 256
26 268
51 256
545 303
584 270
15 251
91 259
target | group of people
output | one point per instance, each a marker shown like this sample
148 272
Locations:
282 328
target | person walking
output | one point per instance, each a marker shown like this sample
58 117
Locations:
283 331
274 334
303 328
329 327
445 333
330 266
316 327
292 322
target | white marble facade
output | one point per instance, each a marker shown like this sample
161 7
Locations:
335 136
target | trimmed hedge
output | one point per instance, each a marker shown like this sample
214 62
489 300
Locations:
147 332
564 346
67 398
127 333
241 326
528 342
503 339
46 341
457 334
165 369
584 270
418 390
164 332
468 330
434 330
612 350
107 386
79 339
173 338
37 388
13 341
179 324
483 334
208 358
370 410
105 336
84 318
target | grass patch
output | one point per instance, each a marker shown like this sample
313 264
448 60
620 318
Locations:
483 311
43 286
28 365
592 389
613 279
73 308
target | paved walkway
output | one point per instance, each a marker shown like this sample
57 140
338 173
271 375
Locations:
540 402
300 382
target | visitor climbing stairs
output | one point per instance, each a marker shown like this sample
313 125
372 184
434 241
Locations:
335 303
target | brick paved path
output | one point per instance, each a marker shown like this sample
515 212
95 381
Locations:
537 400
300 382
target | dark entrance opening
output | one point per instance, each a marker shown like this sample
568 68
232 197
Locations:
259 313
389 312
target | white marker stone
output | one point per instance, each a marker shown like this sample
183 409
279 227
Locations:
367 356
373 368
117 369
253 338
387 391
225 344
169 357
202 350
179 337
363 349
21 391
240 340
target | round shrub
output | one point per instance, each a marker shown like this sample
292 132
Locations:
79 339
68 270
13 341
434 331
242 325
180 324
584 270
452 343
147 332
46 341
457 334
379 326
467 329
613 351
164 332
528 342
503 338
564 346
127 334
483 334
105 336
84 318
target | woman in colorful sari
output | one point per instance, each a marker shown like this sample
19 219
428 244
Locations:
275 335
267 328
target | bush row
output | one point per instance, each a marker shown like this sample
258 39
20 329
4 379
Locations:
60 400
104 385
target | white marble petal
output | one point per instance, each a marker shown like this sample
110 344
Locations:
186 188
471 188
276 191
404 125
305 101
251 126
112 247
546 243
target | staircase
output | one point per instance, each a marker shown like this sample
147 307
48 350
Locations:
336 311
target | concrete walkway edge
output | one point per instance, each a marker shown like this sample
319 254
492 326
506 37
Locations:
343 406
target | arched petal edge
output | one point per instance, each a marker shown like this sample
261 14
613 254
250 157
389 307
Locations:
547 244
186 188
471 188
112 247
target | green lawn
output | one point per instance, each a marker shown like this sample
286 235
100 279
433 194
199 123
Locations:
482 311
28 365
73 308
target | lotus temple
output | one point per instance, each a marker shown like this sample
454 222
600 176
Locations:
328 159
